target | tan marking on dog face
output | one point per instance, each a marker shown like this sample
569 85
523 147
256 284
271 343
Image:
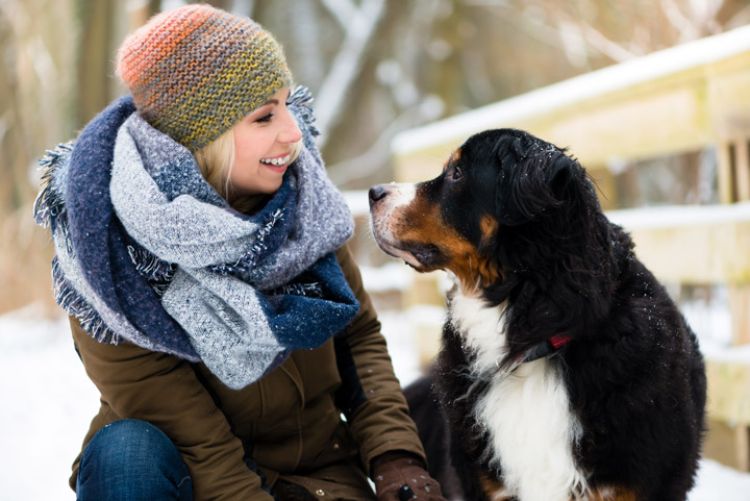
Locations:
488 268
423 224
493 488
489 226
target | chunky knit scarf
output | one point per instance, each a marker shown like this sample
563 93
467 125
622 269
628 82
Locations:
148 252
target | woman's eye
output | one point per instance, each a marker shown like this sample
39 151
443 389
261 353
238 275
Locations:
456 173
265 118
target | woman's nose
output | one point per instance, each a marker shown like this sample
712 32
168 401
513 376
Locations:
290 132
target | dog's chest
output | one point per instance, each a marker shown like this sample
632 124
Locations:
526 413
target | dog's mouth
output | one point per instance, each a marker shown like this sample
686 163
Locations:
421 257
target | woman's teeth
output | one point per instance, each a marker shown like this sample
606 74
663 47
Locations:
275 161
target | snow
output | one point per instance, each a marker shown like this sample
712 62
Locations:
674 216
565 93
719 483
49 401
387 277
722 353
711 319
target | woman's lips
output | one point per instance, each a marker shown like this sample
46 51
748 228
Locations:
278 163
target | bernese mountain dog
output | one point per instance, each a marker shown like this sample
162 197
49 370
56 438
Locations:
566 371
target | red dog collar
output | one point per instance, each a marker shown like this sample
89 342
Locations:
545 348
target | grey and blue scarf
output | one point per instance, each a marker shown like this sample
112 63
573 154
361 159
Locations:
148 252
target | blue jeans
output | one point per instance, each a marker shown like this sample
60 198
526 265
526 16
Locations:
132 460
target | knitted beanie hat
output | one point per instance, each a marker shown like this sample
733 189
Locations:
195 71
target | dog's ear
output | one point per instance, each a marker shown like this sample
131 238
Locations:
561 175
531 179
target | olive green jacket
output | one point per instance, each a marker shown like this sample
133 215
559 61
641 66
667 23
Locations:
287 425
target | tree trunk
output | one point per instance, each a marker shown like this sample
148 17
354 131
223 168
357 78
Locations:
95 54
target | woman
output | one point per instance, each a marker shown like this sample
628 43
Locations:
200 252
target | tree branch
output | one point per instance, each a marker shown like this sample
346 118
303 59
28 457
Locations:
342 10
346 66
686 29
606 46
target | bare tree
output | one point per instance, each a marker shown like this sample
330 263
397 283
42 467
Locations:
95 46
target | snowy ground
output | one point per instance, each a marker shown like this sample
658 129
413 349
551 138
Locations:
48 402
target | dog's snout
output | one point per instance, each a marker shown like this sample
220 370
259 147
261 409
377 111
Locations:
378 192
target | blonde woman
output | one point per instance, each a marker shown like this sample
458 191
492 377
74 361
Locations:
201 255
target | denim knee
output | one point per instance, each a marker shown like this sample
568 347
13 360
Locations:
132 459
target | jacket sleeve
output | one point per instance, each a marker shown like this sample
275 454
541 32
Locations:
370 395
165 391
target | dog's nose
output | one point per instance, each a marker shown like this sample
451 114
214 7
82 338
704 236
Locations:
378 192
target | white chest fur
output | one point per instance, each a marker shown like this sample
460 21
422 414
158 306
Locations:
526 413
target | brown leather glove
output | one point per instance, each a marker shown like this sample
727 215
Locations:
400 476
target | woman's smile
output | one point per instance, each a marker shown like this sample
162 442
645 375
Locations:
278 163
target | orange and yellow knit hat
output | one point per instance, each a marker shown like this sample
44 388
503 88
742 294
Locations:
195 71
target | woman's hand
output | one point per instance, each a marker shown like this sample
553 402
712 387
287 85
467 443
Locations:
400 476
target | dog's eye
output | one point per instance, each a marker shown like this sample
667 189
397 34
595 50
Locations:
455 173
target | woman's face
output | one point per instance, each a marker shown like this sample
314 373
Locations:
263 144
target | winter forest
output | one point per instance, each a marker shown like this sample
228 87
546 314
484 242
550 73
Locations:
379 69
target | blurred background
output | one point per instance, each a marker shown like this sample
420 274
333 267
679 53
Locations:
653 96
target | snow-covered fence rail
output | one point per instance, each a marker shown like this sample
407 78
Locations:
698 245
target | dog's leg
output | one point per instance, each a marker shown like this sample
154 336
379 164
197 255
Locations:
454 384
432 425
467 472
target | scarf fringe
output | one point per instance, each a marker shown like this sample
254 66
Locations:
49 206
312 289
71 301
153 269
247 262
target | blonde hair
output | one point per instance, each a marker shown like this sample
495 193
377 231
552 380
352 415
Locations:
215 161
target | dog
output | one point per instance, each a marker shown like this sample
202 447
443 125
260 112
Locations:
566 372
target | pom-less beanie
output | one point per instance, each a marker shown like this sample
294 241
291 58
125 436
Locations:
195 71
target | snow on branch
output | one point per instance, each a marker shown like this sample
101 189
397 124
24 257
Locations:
606 46
342 10
359 27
